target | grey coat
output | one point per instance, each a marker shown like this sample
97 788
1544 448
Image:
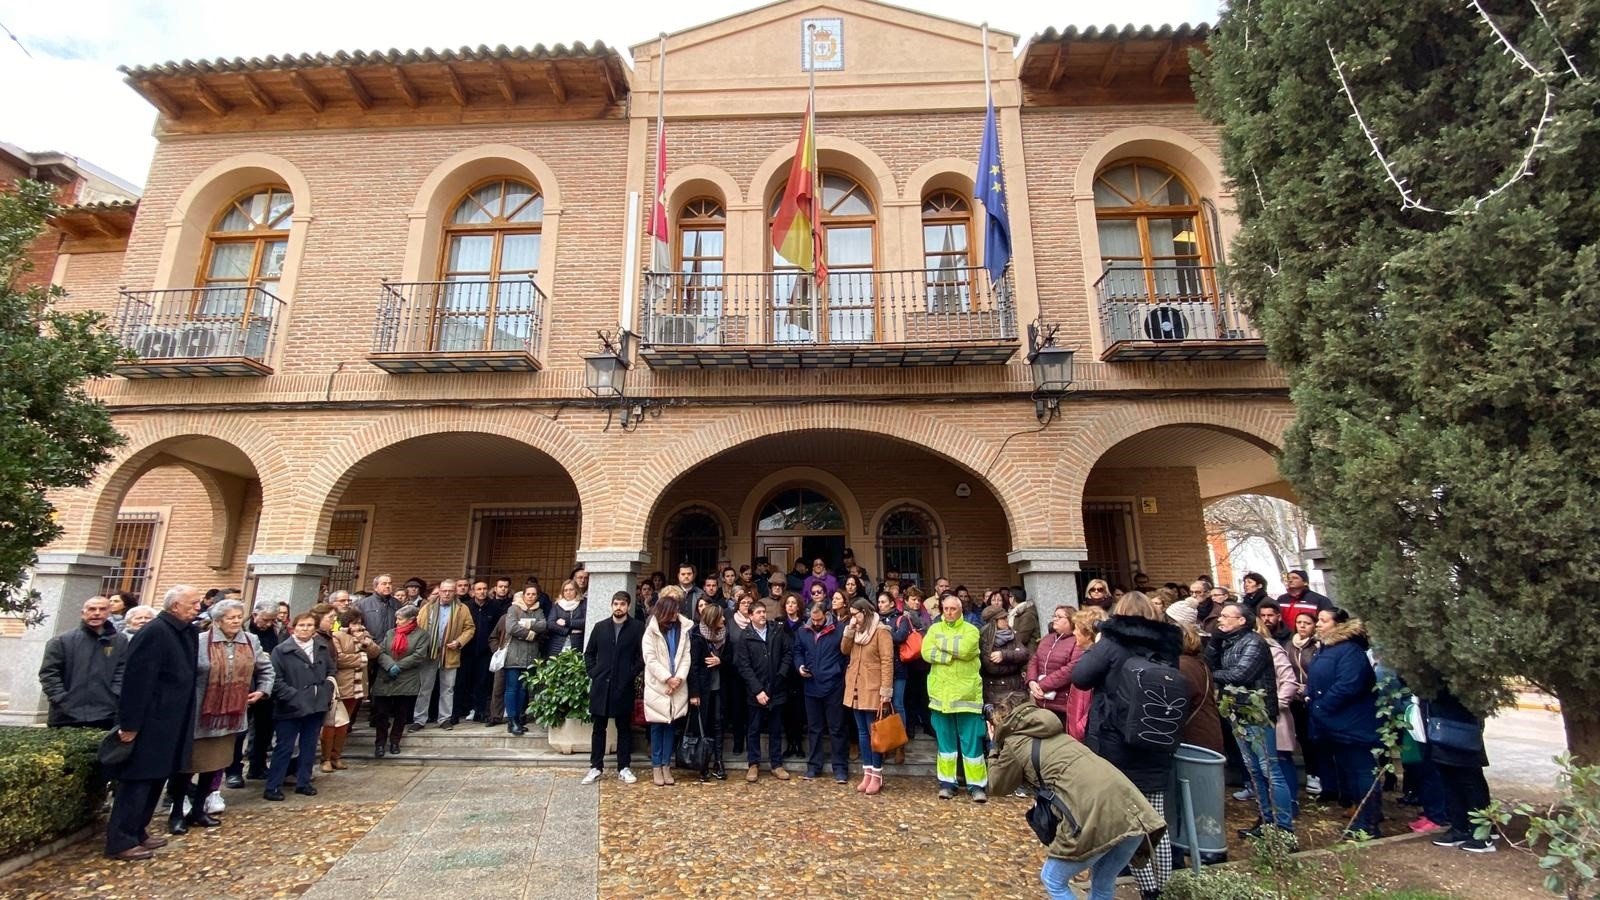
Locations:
261 680
78 672
409 682
527 628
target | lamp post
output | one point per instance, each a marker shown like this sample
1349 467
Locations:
605 374
1052 372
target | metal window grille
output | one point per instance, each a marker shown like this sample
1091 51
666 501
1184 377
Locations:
516 543
133 544
694 536
908 537
345 537
1108 534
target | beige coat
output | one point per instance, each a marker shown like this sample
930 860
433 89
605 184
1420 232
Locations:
659 665
351 659
459 629
869 681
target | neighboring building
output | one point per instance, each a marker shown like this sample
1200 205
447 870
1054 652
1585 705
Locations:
98 212
363 288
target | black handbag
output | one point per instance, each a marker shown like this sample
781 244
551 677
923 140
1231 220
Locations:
1464 737
694 751
1048 809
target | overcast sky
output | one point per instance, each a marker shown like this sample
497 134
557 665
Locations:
69 96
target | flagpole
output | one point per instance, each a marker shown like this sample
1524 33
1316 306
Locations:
811 105
661 124
986 93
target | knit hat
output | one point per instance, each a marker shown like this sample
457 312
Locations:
1184 612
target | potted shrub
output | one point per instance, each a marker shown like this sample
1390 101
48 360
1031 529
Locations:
558 699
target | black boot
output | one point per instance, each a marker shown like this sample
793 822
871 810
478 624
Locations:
378 751
717 770
176 792
519 725
197 806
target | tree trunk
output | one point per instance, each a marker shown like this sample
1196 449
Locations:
1580 713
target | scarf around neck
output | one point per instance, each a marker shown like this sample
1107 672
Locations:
402 638
864 636
714 638
227 683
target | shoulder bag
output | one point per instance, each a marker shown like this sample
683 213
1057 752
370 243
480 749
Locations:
888 732
498 660
1048 810
694 751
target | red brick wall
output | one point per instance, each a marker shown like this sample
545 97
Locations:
1173 539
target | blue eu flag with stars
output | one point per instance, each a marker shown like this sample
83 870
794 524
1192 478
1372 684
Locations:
991 185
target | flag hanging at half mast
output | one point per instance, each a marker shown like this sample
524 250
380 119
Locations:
660 248
794 229
991 184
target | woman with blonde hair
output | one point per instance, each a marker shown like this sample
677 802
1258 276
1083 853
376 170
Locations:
666 653
1096 594
1085 630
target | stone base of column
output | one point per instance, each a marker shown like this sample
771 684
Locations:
293 577
610 570
63 581
1050 576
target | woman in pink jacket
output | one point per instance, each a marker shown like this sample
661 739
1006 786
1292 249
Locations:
1049 674
1289 690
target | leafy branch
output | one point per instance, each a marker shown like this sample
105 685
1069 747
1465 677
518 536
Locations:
1568 828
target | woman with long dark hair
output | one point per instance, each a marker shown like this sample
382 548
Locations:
711 661
794 710
666 650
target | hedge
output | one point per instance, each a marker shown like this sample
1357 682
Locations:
50 784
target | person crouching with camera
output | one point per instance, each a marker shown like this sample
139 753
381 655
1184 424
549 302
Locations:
1086 813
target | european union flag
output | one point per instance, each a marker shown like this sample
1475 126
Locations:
991 184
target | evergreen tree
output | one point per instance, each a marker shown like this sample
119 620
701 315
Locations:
1427 276
52 435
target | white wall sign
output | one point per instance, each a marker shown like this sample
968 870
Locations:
821 45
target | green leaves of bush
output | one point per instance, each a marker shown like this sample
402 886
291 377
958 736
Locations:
558 689
50 784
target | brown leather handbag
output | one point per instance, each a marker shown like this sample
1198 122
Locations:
888 731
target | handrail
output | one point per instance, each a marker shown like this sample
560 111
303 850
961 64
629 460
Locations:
459 315
200 323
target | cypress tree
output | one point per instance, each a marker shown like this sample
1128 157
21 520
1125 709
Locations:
1427 276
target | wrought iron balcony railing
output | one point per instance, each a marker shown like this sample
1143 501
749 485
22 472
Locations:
199 331
461 325
786 309
1172 311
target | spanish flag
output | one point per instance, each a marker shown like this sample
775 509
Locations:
794 229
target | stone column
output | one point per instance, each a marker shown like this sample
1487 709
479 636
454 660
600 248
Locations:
293 577
64 581
1319 560
610 570
1050 576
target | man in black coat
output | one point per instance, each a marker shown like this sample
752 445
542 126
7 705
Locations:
156 715
79 668
764 663
613 658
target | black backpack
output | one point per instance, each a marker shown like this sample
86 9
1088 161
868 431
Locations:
1151 703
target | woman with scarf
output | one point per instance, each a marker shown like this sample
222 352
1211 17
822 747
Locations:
232 674
794 711
1049 674
524 625
736 715
868 683
302 667
353 650
709 648
1001 656
920 619
402 653
565 627
666 653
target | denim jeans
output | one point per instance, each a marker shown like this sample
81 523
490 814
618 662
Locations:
1355 768
900 702
1291 777
661 739
1258 747
516 694
864 720
1057 874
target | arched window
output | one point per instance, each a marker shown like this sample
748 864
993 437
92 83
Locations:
694 535
487 298
702 247
946 251
909 539
245 249
849 238
1152 243
800 509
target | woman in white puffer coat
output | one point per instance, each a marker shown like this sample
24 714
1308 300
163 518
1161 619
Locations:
666 676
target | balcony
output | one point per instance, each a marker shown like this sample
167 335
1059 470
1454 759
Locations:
859 319
458 326
1172 312
199 332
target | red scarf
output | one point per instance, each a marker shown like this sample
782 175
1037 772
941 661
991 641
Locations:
401 634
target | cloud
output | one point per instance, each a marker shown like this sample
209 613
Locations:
75 101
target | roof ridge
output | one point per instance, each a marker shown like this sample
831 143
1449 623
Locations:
392 56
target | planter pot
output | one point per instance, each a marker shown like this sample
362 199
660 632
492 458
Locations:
572 736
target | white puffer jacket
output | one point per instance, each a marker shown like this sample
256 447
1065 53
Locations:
660 665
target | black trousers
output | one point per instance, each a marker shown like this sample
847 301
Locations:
770 721
131 810
827 711
1465 791
733 714
711 713
259 744
390 716
473 684
597 742
793 713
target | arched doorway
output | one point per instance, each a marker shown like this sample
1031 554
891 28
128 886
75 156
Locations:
799 523
694 536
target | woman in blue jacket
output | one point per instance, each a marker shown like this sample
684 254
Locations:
1342 710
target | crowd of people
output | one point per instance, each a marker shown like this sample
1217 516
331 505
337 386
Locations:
209 693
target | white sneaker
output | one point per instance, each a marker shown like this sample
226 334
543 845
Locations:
215 803
1245 794
626 776
1313 784
592 777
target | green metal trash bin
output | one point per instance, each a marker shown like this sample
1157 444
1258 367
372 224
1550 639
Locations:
1195 815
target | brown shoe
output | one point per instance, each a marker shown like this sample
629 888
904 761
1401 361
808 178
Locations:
780 773
327 766
154 842
131 854
900 756
339 763
655 776
752 774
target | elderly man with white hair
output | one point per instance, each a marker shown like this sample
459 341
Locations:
156 714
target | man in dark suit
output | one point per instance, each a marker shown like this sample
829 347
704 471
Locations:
764 660
155 714
614 660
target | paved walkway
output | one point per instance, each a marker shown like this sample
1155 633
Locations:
463 832
1522 745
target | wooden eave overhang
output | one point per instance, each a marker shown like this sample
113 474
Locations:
1110 66
386 88
97 222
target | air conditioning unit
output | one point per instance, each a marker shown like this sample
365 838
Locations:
196 342
684 329
1140 321
157 344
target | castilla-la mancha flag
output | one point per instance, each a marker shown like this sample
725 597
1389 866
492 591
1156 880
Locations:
794 229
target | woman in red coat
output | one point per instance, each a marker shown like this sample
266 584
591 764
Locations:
1049 675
